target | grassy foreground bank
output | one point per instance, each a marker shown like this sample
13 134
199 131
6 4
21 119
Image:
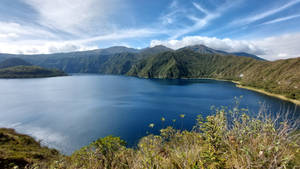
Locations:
228 139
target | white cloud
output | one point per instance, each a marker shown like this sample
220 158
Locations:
43 47
57 46
175 12
74 16
124 34
212 42
281 19
266 13
8 36
280 47
81 19
271 48
10 31
200 22
200 8
13 39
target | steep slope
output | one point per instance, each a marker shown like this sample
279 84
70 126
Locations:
13 62
280 77
114 60
18 150
117 49
29 72
97 61
81 58
154 50
105 64
202 49
247 55
185 63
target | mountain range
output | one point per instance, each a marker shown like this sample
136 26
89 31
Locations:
198 61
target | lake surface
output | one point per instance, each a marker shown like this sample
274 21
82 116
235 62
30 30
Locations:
69 112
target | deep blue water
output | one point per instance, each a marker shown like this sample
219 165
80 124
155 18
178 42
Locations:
70 112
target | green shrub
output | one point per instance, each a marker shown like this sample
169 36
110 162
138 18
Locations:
228 139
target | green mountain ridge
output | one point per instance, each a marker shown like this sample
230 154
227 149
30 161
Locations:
198 61
18 68
206 50
13 62
78 62
280 77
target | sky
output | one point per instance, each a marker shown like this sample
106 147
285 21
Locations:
267 28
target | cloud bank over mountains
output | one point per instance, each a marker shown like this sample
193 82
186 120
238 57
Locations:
271 48
269 29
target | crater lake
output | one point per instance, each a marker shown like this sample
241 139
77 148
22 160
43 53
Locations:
70 112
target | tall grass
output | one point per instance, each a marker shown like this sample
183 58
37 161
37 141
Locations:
227 139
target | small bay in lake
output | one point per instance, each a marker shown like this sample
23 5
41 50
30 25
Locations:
69 112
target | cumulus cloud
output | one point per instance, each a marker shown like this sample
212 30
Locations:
280 47
271 48
227 44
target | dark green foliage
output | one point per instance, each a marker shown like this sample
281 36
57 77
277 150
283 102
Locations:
29 72
280 77
107 152
201 49
188 64
154 50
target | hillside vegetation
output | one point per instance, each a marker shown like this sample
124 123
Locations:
21 150
281 77
13 62
227 139
19 68
29 72
198 61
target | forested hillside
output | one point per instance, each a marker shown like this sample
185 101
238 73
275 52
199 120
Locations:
18 68
281 77
198 61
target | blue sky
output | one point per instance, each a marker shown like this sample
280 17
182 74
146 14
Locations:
268 28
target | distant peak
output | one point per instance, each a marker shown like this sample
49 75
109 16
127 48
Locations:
159 46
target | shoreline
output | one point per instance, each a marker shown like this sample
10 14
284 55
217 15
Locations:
296 102
238 84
